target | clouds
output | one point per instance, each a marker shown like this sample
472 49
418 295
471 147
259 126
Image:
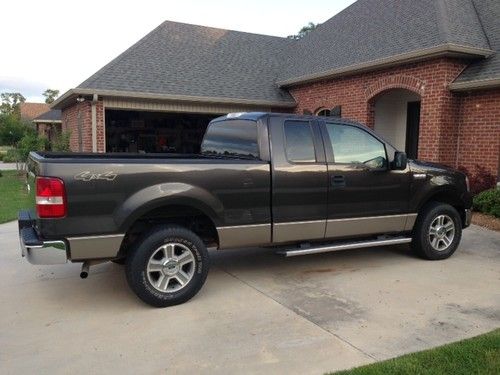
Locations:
58 44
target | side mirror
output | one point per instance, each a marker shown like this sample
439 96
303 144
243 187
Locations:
400 161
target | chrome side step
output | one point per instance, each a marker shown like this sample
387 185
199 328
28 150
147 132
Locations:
344 246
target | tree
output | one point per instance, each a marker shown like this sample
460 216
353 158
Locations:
302 32
50 95
12 129
10 102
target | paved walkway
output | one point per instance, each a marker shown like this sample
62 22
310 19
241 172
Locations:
257 313
7 166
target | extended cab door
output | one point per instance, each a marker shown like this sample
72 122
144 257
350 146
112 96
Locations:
299 180
365 195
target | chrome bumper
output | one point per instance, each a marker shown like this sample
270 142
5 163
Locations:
468 217
36 250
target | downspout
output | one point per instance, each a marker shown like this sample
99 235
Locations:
94 122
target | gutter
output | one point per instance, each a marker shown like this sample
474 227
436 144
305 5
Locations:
448 49
475 85
62 101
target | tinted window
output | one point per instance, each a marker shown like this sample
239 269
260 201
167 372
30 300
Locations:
353 146
299 141
231 138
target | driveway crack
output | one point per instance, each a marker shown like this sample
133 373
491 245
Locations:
302 317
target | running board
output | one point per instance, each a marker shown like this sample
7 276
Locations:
344 246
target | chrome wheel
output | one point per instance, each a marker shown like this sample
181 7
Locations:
171 267
441 232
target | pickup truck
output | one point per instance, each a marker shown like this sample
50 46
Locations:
299 184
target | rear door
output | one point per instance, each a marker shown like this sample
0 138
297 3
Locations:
299 179
365 195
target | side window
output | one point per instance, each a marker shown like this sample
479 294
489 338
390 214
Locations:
355 146
236 138
299 143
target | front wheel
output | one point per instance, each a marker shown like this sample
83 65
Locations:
437 232
168 266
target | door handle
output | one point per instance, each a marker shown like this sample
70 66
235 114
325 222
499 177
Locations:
338 181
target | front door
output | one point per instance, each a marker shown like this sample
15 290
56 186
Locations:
365 196
412 129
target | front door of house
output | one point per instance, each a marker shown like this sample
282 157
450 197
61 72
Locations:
412 129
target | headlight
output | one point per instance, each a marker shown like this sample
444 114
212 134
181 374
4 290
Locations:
467 183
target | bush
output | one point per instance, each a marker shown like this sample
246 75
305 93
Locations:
480 180
11 156
30 142
488 202
60 142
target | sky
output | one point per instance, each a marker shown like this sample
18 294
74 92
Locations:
58 44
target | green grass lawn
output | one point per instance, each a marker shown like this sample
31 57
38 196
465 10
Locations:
13 195
478 355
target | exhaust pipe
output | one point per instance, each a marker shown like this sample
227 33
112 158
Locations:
85 270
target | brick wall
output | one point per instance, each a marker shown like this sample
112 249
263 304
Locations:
479 130
70 124
430 79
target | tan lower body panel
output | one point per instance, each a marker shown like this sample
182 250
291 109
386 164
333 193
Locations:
95 247
369 225
300 230
244 235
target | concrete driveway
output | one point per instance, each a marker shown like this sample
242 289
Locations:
257 313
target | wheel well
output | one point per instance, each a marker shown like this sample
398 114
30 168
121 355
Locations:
448 197
185 216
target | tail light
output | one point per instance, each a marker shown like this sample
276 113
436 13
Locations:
50 197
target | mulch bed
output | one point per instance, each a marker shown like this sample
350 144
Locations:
486 221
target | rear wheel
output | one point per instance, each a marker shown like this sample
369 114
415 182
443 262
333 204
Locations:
437 232
168 266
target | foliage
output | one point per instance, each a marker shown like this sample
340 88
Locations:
10 102
60 142
30 142
480 179
12 129
488 202
304 31
11 156
50 95
13 195
479 355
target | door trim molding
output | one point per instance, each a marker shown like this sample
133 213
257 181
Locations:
370 225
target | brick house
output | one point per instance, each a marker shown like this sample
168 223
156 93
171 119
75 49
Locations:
425 74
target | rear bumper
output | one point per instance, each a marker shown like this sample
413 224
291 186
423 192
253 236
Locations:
35 249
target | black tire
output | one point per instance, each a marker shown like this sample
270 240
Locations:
428 215
140 279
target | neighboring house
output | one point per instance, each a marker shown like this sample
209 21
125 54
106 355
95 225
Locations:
425 74
48 124
31 110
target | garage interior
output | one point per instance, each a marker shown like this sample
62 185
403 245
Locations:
155 132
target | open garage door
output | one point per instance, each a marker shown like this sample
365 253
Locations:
146 132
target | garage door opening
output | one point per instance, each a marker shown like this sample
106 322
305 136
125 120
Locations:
147 132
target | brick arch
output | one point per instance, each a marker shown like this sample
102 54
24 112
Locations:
399 81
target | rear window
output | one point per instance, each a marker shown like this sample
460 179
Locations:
236 138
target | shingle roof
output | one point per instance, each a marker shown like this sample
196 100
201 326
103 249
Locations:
179 59
183 59
488 69
369 30
51 115
31 110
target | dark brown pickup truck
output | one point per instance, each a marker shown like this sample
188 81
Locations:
301 184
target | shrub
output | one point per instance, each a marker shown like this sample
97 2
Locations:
480 180
488 202
30 142
60 142
11 156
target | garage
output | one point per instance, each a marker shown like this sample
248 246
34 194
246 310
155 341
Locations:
148 132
